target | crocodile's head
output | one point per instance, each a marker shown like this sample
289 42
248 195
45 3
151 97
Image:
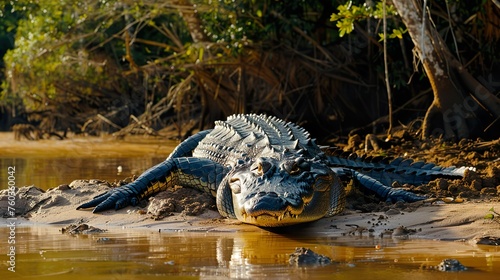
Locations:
272 192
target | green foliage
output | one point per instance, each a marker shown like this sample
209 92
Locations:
107 53
241 23
8 25
58 41
396 33
69 50
44 55
350 13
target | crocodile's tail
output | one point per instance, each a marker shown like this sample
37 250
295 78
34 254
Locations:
387 170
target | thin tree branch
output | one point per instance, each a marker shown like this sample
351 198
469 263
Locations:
386 71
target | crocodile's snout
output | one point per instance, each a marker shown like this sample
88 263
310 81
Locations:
274 192
264 203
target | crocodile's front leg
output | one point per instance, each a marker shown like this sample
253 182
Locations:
202 174
155 179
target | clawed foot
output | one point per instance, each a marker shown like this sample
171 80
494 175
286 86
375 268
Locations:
116 198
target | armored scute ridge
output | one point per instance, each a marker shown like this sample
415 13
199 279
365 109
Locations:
268 172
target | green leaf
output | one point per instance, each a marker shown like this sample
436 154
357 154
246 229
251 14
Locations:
200 54
489 216
334 17
345 26
343 8
381 37
397 33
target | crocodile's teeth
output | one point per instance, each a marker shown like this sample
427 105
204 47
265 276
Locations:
281 217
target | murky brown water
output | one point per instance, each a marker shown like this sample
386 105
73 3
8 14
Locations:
45 253
51 172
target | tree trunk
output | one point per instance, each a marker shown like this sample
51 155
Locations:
462 107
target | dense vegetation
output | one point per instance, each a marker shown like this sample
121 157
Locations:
139 66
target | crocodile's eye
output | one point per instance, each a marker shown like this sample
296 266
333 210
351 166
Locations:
261 167
295 169
303 164
257 169
260 170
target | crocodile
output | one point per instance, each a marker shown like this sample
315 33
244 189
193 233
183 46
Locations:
268 172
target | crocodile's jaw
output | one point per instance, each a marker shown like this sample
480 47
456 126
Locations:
280 199
283 216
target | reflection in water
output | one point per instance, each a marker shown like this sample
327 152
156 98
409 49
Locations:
44 251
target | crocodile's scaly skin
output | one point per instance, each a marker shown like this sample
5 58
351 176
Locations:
268 172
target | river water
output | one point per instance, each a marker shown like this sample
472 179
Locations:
50 163
43 252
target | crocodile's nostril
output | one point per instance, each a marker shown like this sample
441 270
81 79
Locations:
273 194
268 194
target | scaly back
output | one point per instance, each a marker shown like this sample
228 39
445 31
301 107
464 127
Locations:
243 136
